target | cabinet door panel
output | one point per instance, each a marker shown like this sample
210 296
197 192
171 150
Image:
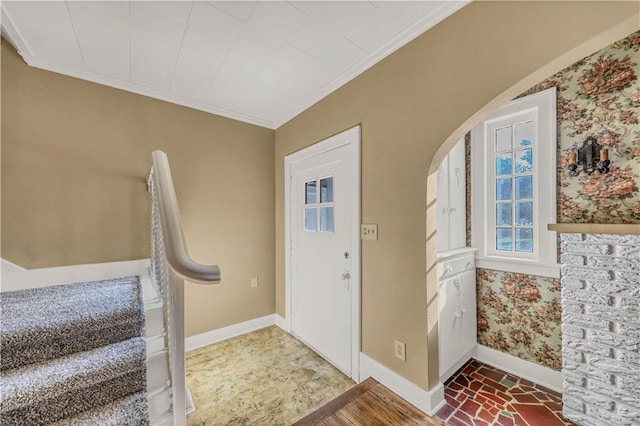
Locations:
469 323
448 325
443 205
457 196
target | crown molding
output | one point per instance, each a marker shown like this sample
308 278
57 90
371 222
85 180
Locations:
435 16
447 8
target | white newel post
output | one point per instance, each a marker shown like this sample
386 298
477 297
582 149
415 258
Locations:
601 328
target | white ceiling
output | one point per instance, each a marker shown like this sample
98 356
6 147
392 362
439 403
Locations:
259 62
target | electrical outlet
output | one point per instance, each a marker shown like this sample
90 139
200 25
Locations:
369 231
254 282
400 350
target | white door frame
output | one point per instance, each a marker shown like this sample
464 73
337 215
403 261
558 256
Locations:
349 137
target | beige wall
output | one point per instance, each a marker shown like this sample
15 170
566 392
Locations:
75 155
432 90
74 161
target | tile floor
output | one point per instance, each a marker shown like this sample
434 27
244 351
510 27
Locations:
481 395
263 378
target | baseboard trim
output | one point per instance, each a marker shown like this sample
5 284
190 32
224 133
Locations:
224 333
536 373
282 323
15 277
427 401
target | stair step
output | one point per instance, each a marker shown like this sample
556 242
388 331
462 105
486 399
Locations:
130 410
153 308
159 402
56 389
65 319
148 289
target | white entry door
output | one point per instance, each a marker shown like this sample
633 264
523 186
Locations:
324 249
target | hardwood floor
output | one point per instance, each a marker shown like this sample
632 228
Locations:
371 404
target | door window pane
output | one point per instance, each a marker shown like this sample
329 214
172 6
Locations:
524 187
524 240
503 164
524 214
310 192
310 219
326 219
503 139
326 190
503 214
503 189
523 134
503 239
524 161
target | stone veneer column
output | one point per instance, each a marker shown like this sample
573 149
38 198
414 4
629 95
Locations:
601 328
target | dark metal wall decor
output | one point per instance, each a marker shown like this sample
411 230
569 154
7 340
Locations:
590 157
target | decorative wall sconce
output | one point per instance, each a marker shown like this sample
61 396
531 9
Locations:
591 156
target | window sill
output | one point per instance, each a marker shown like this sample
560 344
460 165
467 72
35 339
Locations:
551 270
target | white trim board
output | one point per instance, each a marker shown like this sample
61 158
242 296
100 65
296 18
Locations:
427 401
351 137
224 333
536 373
282 323
15 277
539 109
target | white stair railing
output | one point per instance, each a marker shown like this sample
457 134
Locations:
170 267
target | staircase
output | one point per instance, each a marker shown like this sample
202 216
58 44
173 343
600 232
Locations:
90 353
107 352
74 354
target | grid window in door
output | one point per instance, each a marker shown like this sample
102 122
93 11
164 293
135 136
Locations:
319 205
513 182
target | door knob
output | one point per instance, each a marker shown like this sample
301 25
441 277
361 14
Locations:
346 275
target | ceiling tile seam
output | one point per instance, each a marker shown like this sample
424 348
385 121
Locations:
355 44
297 8
225 12
155 15
184 34
226 56
75 34
288 43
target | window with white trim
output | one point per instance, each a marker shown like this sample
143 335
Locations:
513 186
319 205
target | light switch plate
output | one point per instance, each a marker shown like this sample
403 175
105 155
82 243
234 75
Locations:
254 282
369 231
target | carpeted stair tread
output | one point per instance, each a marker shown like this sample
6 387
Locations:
45 382
130 410
45 323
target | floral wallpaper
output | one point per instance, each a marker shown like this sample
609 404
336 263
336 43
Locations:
520 314
598 96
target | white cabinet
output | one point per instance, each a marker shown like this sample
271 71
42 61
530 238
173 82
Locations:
452 200
457 325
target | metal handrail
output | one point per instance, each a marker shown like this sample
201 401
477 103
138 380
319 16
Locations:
175 247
